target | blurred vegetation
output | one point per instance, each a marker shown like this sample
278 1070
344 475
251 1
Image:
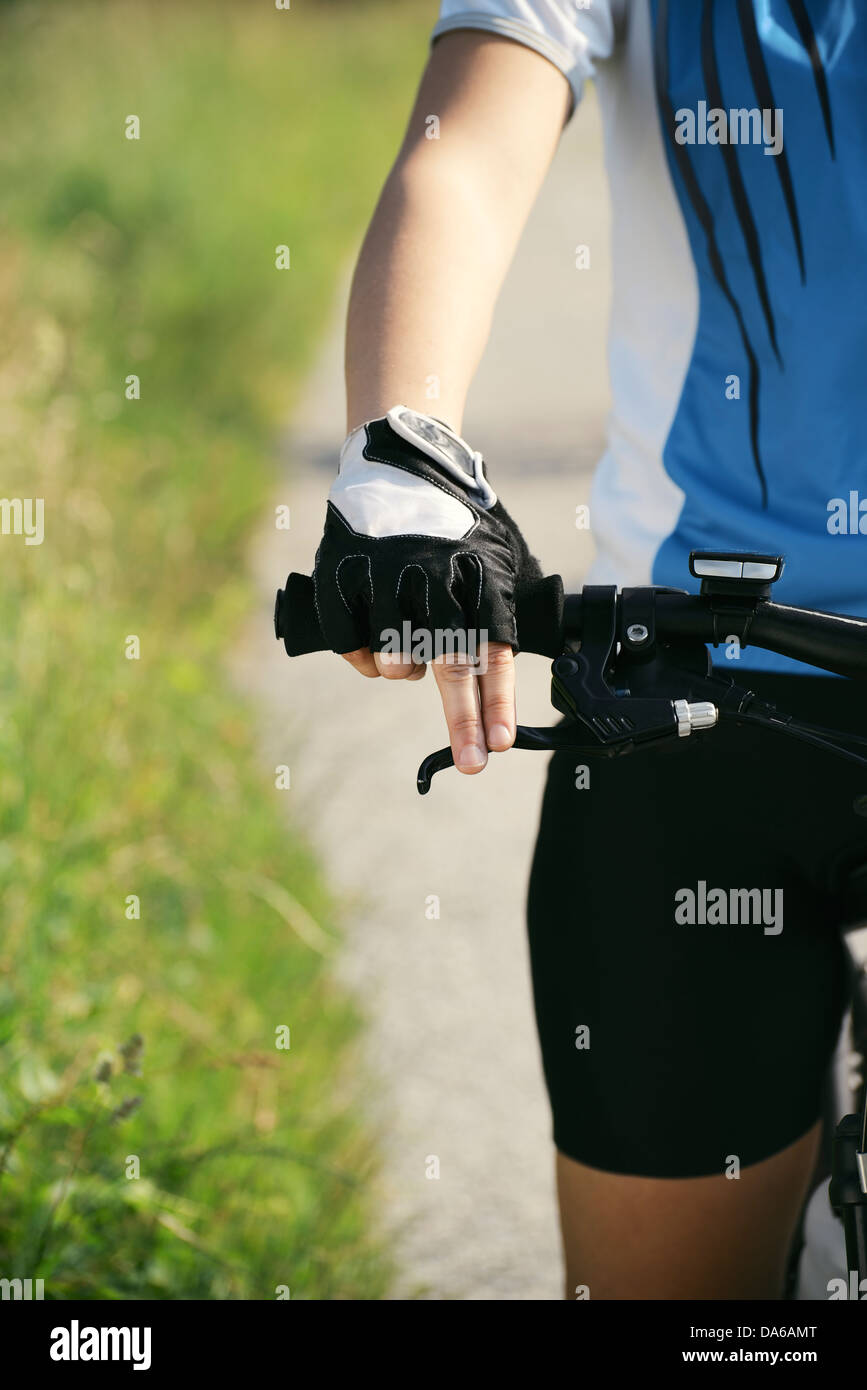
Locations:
154 1036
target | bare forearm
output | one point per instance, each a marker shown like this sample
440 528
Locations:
446 227
422 297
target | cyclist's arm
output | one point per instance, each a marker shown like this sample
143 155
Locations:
447 224
434 259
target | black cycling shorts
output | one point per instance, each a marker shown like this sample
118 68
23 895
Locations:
683 1018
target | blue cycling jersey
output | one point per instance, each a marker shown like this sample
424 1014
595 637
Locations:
736 149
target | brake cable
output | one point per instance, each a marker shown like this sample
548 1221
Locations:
811 733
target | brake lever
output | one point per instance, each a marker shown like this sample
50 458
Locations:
599 718
552 738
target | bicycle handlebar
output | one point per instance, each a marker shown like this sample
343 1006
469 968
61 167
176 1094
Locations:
547 619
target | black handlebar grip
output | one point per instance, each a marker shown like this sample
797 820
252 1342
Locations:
538 613
296 622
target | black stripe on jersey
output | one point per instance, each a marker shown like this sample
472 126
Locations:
733 173
808 39
705 217
765 94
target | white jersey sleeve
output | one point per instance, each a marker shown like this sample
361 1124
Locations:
572 34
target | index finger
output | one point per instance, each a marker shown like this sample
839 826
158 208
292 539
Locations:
497 687
455 676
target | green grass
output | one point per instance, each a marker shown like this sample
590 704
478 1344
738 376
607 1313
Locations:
139 777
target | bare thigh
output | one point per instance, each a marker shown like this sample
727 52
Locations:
682 1238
